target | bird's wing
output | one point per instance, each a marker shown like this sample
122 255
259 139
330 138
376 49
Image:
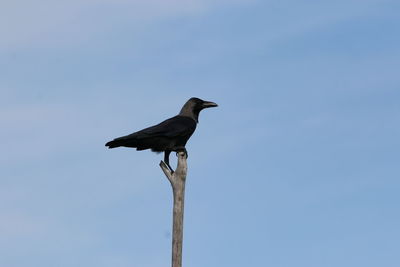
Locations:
157 137
173 127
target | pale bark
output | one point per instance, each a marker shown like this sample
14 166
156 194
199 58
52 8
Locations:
177 180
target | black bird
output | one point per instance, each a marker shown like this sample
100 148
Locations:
170 135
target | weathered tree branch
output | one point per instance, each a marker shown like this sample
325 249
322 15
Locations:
177 180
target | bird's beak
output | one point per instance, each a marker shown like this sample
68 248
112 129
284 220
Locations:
209 104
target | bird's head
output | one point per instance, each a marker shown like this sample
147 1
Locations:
193 107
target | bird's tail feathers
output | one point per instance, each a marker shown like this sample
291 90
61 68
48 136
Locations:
114 143
123 141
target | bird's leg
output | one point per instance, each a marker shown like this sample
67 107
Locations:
166 159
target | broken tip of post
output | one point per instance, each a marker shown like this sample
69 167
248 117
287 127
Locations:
166 170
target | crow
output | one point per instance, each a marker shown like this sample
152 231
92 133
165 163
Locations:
169 135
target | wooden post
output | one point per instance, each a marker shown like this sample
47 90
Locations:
177 180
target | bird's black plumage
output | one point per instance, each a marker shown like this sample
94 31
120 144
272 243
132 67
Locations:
169 135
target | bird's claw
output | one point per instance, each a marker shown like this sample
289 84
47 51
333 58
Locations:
182 150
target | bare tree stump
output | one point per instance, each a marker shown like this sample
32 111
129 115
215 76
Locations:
177 180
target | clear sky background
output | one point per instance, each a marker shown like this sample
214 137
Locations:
298 166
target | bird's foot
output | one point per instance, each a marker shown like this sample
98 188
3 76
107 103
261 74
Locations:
183 149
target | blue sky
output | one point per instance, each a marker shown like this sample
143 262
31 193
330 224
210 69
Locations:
298 166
